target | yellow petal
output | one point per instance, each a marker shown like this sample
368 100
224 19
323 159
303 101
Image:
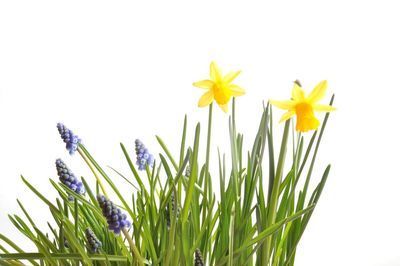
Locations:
224 107
206 98
286 116
318 92
236 90
323 108
287 105
231 76
297 93
215 72
204 84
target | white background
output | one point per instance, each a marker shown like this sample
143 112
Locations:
120 71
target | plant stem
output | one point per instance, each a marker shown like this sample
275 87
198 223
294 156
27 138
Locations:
207 193
93 171
76 216
231 236
208 140
275 190
135 251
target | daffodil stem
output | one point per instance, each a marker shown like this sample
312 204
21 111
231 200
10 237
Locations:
234 115
208 137
135 251
316 151
206 186
275 190
93 171
232 132
208 147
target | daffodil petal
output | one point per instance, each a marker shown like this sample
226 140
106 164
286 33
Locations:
287 105
204 84
236 90
287 115
224 107
318 92
206 99
215 72
297 93
231 76
323 108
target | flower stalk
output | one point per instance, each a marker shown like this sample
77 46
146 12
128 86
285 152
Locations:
98 180
275 189
135 251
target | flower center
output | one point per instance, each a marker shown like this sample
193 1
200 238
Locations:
221 93
306 119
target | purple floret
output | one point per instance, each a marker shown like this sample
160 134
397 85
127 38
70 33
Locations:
68 178
72 141
198 258
116 220
143 155
94 243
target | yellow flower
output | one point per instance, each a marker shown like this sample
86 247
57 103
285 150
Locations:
304 107
219 88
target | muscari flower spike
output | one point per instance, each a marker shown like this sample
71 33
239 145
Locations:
116 220
66 243
94 243
198 258
143 156
168 213
72 141
188 171
68 178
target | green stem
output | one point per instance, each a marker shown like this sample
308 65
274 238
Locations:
275 190
76 216
231 236
135 251
208 139
207 193
233 136
93 171
62 236
76 222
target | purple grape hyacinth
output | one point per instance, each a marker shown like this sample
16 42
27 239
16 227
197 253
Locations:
143 156
172 209
116 220
198 258
72 141
94 243
68 178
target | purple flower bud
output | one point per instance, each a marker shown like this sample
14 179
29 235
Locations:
172 211
66 243
198 258
94 243
68 178
116 221
143 156
188 171
72 141
128 224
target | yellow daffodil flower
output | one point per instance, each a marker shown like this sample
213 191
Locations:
219 88
304 107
